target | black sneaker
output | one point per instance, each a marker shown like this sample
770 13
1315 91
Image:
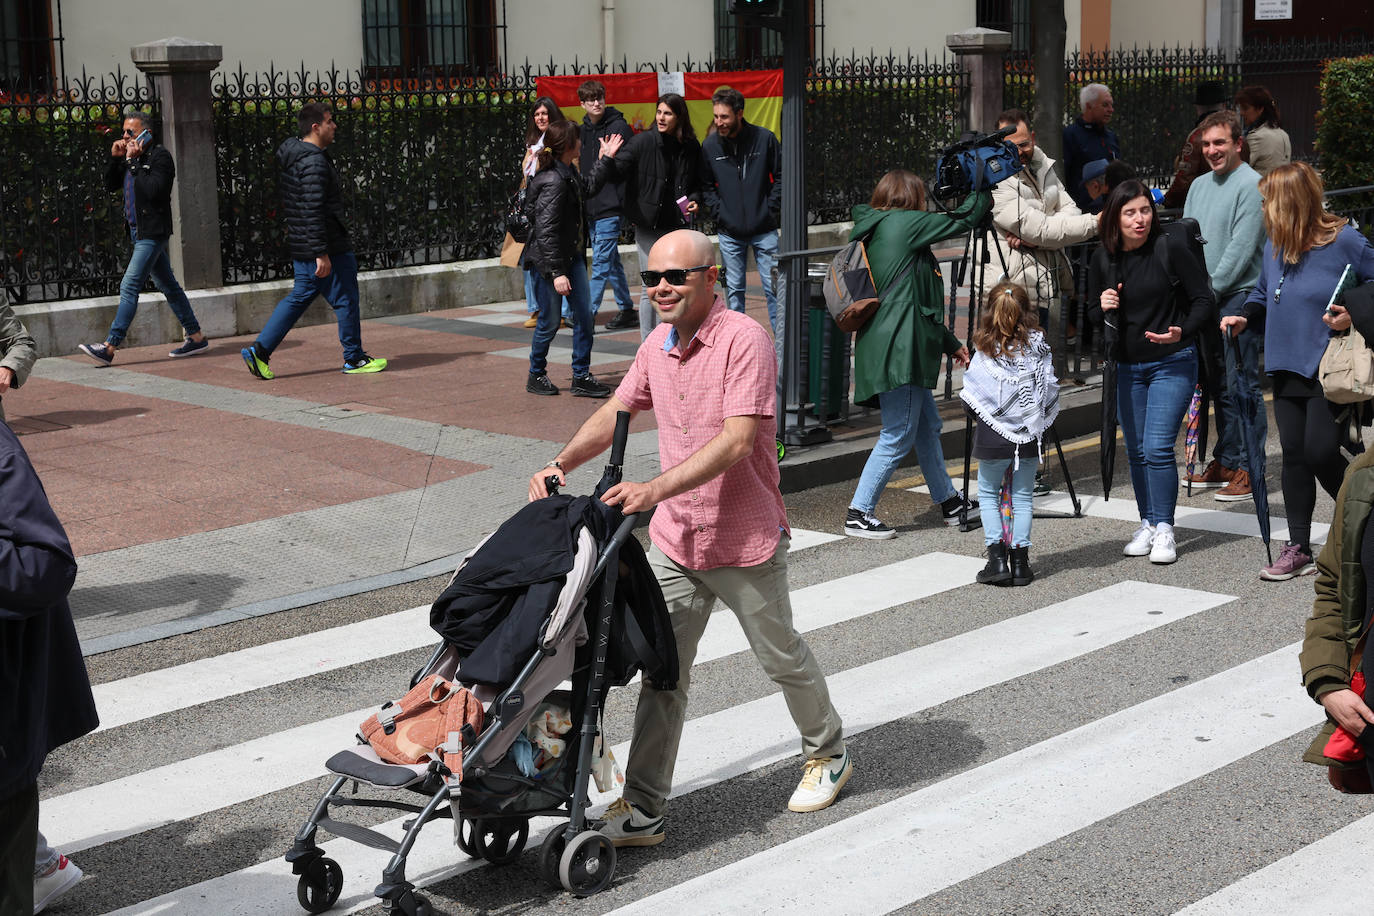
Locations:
624 320
950 510
864 525
190 348
540 384
586 386
1042 486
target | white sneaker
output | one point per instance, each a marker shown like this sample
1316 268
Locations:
1140 541
821 782
55 883
1162 547
625 825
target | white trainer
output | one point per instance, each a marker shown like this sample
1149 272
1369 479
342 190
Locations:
1162 547
626 825
821 782
1140 541
47 888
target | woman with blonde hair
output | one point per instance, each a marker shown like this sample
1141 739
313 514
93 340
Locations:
897 353
1305 256
1011 388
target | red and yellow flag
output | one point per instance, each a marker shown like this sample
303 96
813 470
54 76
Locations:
636 95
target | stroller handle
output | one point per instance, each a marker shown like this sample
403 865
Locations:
622 435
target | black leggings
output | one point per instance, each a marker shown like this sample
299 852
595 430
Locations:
1310 441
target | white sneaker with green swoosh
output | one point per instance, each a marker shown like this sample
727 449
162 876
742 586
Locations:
821 782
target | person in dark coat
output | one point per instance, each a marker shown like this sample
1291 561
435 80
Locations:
45 694
143 169
660 167
1088 138
321 249
605 208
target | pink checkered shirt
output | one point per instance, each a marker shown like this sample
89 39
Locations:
727 370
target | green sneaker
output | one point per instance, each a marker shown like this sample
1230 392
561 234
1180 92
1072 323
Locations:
366 364
256 364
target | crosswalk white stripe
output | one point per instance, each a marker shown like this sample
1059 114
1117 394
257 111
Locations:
734 741
1325 877
168 689
901 851
103 813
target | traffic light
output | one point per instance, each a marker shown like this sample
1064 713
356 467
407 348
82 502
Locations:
754 7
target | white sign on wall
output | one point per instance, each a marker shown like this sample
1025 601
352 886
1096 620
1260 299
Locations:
1273 9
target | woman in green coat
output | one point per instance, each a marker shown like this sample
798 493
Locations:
897 354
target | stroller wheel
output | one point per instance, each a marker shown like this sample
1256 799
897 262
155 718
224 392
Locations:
550 853
588 863
320 885
500 841
467 833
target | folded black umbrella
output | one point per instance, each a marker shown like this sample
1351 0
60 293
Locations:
1248 407
1108 423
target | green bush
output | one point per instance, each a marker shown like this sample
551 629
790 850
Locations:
1345 143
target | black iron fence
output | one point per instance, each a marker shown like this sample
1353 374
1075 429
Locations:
1154 89
62 234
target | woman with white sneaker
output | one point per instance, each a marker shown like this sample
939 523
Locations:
1158 301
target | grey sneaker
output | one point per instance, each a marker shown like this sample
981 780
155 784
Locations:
626 825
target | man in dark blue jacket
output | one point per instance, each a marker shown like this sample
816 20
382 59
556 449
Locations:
605 208
1088 138
321 250
45 694
143 170
742 186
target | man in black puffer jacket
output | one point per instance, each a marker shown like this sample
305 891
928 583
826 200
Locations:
144 170
321 250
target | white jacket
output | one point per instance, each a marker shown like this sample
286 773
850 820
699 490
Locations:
1034 206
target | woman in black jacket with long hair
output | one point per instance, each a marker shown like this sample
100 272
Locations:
659 167
1158 302
555 256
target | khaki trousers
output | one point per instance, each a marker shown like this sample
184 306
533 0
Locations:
758 595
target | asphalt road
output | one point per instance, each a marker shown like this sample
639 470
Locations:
1115 738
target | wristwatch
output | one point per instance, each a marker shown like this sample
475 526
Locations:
555 464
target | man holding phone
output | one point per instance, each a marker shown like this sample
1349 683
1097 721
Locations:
144 170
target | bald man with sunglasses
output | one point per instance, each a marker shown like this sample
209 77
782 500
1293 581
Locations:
720 530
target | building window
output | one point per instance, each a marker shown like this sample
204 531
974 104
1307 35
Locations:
30 43
405 38
1007 16
741 45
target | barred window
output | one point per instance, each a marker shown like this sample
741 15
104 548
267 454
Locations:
1008 16
30 43
742 45
430 37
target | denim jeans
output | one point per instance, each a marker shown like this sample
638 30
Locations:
991 471
150 260
606 266
532 301
1151 399
339 289
1230 448
910 420
733 253
548 321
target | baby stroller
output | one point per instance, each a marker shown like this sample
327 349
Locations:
606 601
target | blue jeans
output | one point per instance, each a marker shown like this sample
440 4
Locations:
339 289
577 299
991 471
1230 448
150 260
606 266
532 300
910 420
1151 399
733 253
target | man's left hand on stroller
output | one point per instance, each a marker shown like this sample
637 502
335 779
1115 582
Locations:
539 488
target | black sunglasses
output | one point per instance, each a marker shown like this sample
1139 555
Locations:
128 133
675 277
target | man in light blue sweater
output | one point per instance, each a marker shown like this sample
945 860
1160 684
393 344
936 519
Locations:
1226 204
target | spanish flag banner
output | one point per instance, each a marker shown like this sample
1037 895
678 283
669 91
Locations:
636 95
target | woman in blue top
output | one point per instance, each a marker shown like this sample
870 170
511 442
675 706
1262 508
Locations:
1307 251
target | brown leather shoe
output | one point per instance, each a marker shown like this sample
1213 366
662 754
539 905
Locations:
1236 490
1215 474
532 321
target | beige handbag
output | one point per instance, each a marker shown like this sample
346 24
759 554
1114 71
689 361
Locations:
1346 371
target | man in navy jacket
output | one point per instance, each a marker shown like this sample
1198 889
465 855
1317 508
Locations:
742 185
1088 138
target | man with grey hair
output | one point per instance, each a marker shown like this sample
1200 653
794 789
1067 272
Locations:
144 170
1087 138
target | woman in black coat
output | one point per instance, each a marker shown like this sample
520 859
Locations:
660 167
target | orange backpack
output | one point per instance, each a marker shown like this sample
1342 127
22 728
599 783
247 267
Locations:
434 720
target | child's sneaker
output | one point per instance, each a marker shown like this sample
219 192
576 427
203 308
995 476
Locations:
62 878
625 825
821 782
859 524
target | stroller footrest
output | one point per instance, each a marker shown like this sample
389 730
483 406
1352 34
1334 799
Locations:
363 764
360 835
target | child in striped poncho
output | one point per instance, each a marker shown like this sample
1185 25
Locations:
1011 388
